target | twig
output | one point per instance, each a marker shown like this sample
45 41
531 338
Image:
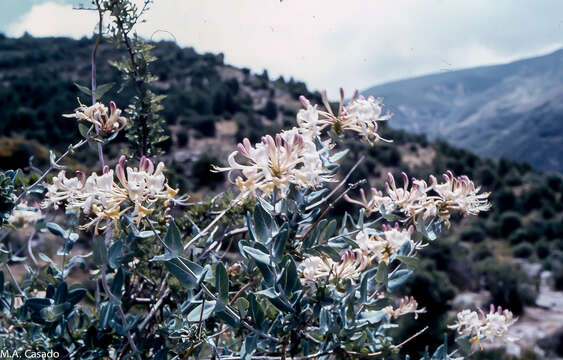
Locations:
217 218
410 338
154 309
208 292
30 252
113 298
325 198
242 289
69 150
14 279
93 74
331 206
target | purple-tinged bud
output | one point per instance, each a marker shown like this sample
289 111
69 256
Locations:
80 176
242 150
391 180
105 170
304 101
246 143
405 179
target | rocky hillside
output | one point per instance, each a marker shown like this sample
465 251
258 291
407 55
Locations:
513 111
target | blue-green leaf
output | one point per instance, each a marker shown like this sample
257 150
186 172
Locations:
398 279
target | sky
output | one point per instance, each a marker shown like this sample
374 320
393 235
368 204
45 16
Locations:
327 43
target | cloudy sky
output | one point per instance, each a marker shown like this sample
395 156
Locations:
328 43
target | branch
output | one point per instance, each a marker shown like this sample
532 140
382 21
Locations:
324 199
153 310
208 292
69 150
331 206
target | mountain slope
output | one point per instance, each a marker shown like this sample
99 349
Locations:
513 110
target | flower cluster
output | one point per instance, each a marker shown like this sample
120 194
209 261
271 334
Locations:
407 305
385 246
103 199
25 215
480 326
290 157
438 199
360 115
97 115
350 266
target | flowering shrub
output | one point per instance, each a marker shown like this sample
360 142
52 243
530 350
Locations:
300 283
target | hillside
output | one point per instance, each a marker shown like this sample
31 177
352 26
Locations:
211 105
513 111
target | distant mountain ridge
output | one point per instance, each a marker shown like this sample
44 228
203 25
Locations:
512 110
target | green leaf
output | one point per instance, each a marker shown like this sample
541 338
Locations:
106 313
410 261
115 254
53 313
398 279
84 89
372 317
248 347
222 283
262 224
173 239
84 130
288 279
184 270
382 271
100 251
279 243
102 89
74 296
202 312
257 255
56 229
441 353
256 311
324 250
117 284
53 161
242 307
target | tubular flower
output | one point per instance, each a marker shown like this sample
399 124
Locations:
350 266
384 247
360 115
25 215
439 199
97 115
288 158
102 198
459 193
480 326
406 306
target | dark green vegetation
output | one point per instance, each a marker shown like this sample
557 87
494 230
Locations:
205 98
513 110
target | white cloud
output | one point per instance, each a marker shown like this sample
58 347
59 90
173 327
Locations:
54 19
355 43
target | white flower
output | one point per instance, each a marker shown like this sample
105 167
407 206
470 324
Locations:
103 199
350 266
406 306
459 193
24 215
481 326
97 114
385 246
360 116
290 157
439 199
